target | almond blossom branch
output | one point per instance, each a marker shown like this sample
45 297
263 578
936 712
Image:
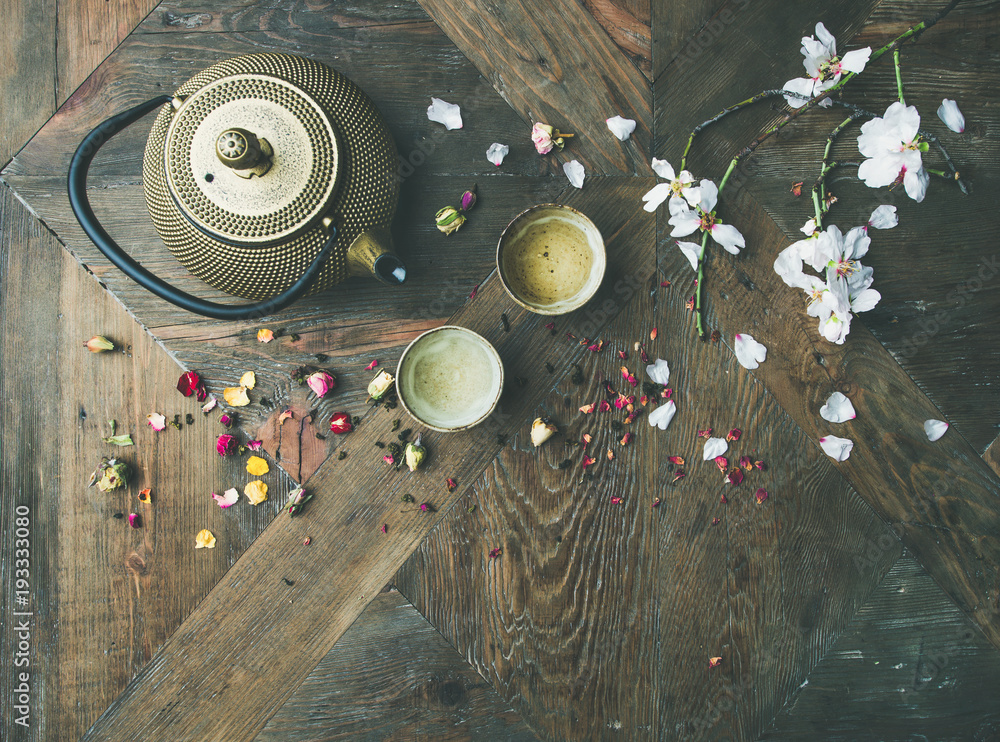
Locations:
701 256
819 187
899 74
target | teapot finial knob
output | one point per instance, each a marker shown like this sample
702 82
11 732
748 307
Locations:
244 152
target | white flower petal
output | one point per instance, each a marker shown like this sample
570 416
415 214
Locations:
684 223
714 447
935 429
709 195
445 113
826 38
729 237
838 449
662 415
838 409
950 115
676 204
865 301
692 194
227 498
879 171
659 371
621 127
788 265
663 168
856 60
691 251
575 172
749 352
884 217
915 183
656 196
809 227
497 152
804 86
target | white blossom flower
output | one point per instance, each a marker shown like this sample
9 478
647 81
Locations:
691 251
703 217
823 67
575 172
950 115
621 127
837 409
838 449
935 429
893 148
679 189
749 352
714 447
445 113
497 152
662 415
809 227
659 372
884 217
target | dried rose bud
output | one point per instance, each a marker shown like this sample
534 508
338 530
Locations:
760 465
380 385
297 500
616 500
716 521
414 454
541 430
626 439
494 553
611 455
546 138
340 423
448 220
99 344
321 382
308 540
587 438
111 474
588 461
226 444
227 420
468 199
723 499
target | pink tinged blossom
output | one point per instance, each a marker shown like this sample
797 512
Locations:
255 445
621 127
935 429
823 67
575 172
884 217
893 150
156 421
680 189
227 499
321 382
838 409
497 152
702 217
749 352
838 449
714 447
950 115
445 113
662 415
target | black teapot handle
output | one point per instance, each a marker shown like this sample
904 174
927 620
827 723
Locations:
77 185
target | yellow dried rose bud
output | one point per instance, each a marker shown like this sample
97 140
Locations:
449 219
380 385
414 454
99 344
541 430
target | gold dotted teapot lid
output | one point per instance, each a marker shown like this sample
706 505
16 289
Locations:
251 159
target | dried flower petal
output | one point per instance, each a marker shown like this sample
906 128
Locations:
678 475
588 461
133 520
426 507
452 484
723 499
605 406
236 396
574 172
652 334
264 335
616 500
257 467
587 408
99 344
541 430
388 459
120 440
110 475
611 455
714 447
626 439
716 521
255 445
145 495
722 462
209 405
204 539
372 365
746 463
227 420
308 540
384 528
321 382
156 421
256 492
284 416
678 460
656 502
734 434
714 662
760 465
796 188
226 445
705 433
190 383
761 495
735 476
497 152
496 552
445 113
228 498
934 429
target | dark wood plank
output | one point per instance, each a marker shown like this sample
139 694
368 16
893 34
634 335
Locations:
546 74
684 30
910 666
610 611
244 626
27 76
627 22
392 676
105 596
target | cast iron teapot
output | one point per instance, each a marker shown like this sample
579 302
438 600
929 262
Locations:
269 176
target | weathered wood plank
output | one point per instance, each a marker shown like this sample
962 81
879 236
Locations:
684 30
628 25
243 626
909 666
27 72
392 676
541 68
105 596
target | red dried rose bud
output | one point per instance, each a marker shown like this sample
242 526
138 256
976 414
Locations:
734 434
616 500
341 423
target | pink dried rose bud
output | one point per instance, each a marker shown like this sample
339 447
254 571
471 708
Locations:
321 382
468 199
99 344
340 423
226 445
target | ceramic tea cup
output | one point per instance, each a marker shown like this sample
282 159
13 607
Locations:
551 259
449 378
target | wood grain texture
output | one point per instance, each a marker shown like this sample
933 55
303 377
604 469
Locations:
27 72
105 596
909 666
393 676
223 648
628 25
609 611
684 30
561 69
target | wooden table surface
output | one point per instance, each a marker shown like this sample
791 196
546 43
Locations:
861 600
